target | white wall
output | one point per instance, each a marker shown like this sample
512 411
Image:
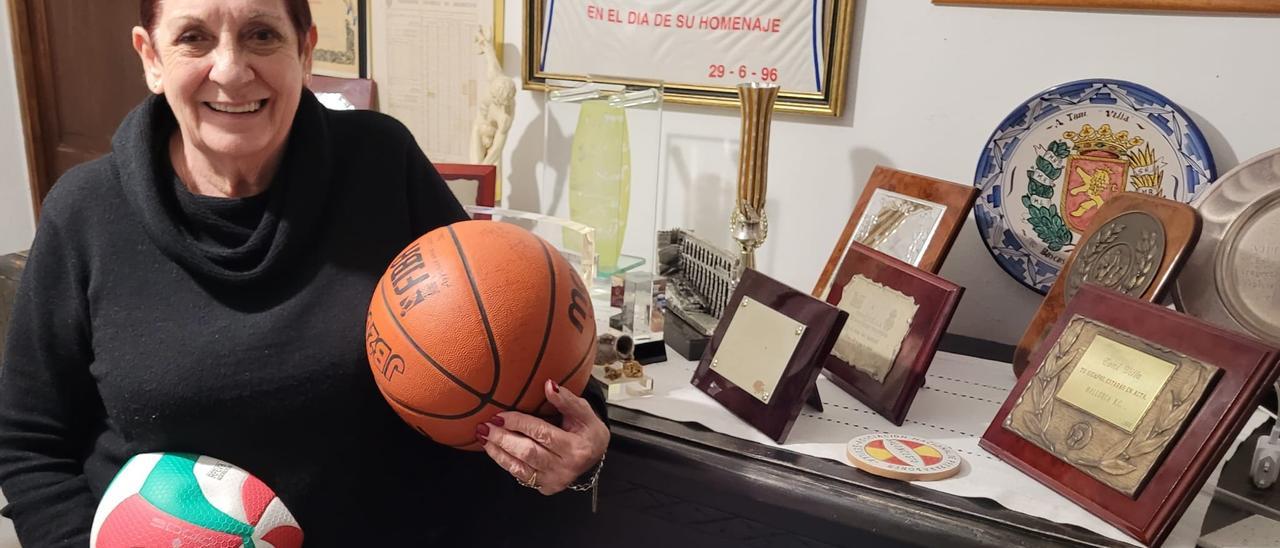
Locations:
17 224
927 86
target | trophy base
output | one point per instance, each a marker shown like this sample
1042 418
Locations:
622 388
682 337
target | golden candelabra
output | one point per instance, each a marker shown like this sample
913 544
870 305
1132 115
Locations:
748 224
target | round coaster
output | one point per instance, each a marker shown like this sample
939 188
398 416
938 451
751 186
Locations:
902 457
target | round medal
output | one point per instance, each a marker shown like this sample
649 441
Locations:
902 457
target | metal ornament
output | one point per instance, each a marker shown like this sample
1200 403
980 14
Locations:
1232 279
1122 255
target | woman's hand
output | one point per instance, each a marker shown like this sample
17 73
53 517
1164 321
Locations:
541 455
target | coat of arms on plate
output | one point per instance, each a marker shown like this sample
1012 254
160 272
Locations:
1083 169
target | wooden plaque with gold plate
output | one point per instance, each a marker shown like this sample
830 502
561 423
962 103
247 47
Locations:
1129 407
1136 245
767 352
909 217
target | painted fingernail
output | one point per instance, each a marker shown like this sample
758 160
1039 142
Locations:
482 431
496 421
555 387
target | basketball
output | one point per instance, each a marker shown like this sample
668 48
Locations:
162 500
472 319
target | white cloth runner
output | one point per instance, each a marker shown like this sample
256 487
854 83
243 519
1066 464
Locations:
958 401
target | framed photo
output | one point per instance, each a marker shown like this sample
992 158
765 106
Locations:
700 50
897 315
767 352
909 217
1240 6
472 184
1136 245
340 45
1129 407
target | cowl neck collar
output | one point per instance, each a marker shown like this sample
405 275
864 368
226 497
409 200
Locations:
297 199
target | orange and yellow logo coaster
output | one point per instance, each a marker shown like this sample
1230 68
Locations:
902 457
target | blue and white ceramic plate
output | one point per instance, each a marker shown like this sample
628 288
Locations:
1055 160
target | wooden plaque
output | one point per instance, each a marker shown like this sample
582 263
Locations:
1182 391
767 352
897 315
1136 245
910 200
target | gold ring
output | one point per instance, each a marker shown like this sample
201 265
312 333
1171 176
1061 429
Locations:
532 483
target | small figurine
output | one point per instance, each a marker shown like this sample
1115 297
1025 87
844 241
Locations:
496 109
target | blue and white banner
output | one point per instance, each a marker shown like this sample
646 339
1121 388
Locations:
696 42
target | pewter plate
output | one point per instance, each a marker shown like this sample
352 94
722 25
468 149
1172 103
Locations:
1232 279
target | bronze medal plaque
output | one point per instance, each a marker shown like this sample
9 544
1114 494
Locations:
1109 403
1122 255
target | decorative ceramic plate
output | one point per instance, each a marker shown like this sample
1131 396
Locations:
1055 160
902 457
1232 278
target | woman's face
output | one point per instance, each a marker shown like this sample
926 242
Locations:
231 71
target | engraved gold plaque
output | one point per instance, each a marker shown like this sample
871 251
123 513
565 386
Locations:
879 319
1115 383
1109 403
756 348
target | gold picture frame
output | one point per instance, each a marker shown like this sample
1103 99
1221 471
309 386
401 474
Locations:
837 44
1230 6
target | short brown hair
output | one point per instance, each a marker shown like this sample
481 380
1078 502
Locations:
299 15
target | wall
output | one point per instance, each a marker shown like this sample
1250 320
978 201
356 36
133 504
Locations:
17 224
927 86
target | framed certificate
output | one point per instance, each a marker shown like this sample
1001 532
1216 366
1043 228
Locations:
1128 408
909 217
767 352
340 45
897 315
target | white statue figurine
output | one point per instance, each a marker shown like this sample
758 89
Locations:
493 118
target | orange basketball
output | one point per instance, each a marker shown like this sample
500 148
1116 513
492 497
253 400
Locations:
472 319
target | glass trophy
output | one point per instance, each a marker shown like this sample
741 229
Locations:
575 241
602 157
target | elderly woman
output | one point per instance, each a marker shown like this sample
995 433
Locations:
203 289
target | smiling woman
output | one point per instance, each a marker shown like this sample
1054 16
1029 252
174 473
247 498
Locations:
231 75
203 288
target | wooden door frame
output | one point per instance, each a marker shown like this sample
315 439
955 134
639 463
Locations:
28 44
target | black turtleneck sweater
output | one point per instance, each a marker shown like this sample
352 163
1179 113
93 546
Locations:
151 319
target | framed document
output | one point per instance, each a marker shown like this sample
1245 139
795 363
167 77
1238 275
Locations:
1129 407
897 314
340 45
767 352
432 69
700 49
1239 6
1136 246
909 217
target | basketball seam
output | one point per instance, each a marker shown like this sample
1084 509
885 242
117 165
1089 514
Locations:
484 315
546 334
483 397
582 361
429 414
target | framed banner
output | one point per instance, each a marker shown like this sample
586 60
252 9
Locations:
1240 6
340 44
700 49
